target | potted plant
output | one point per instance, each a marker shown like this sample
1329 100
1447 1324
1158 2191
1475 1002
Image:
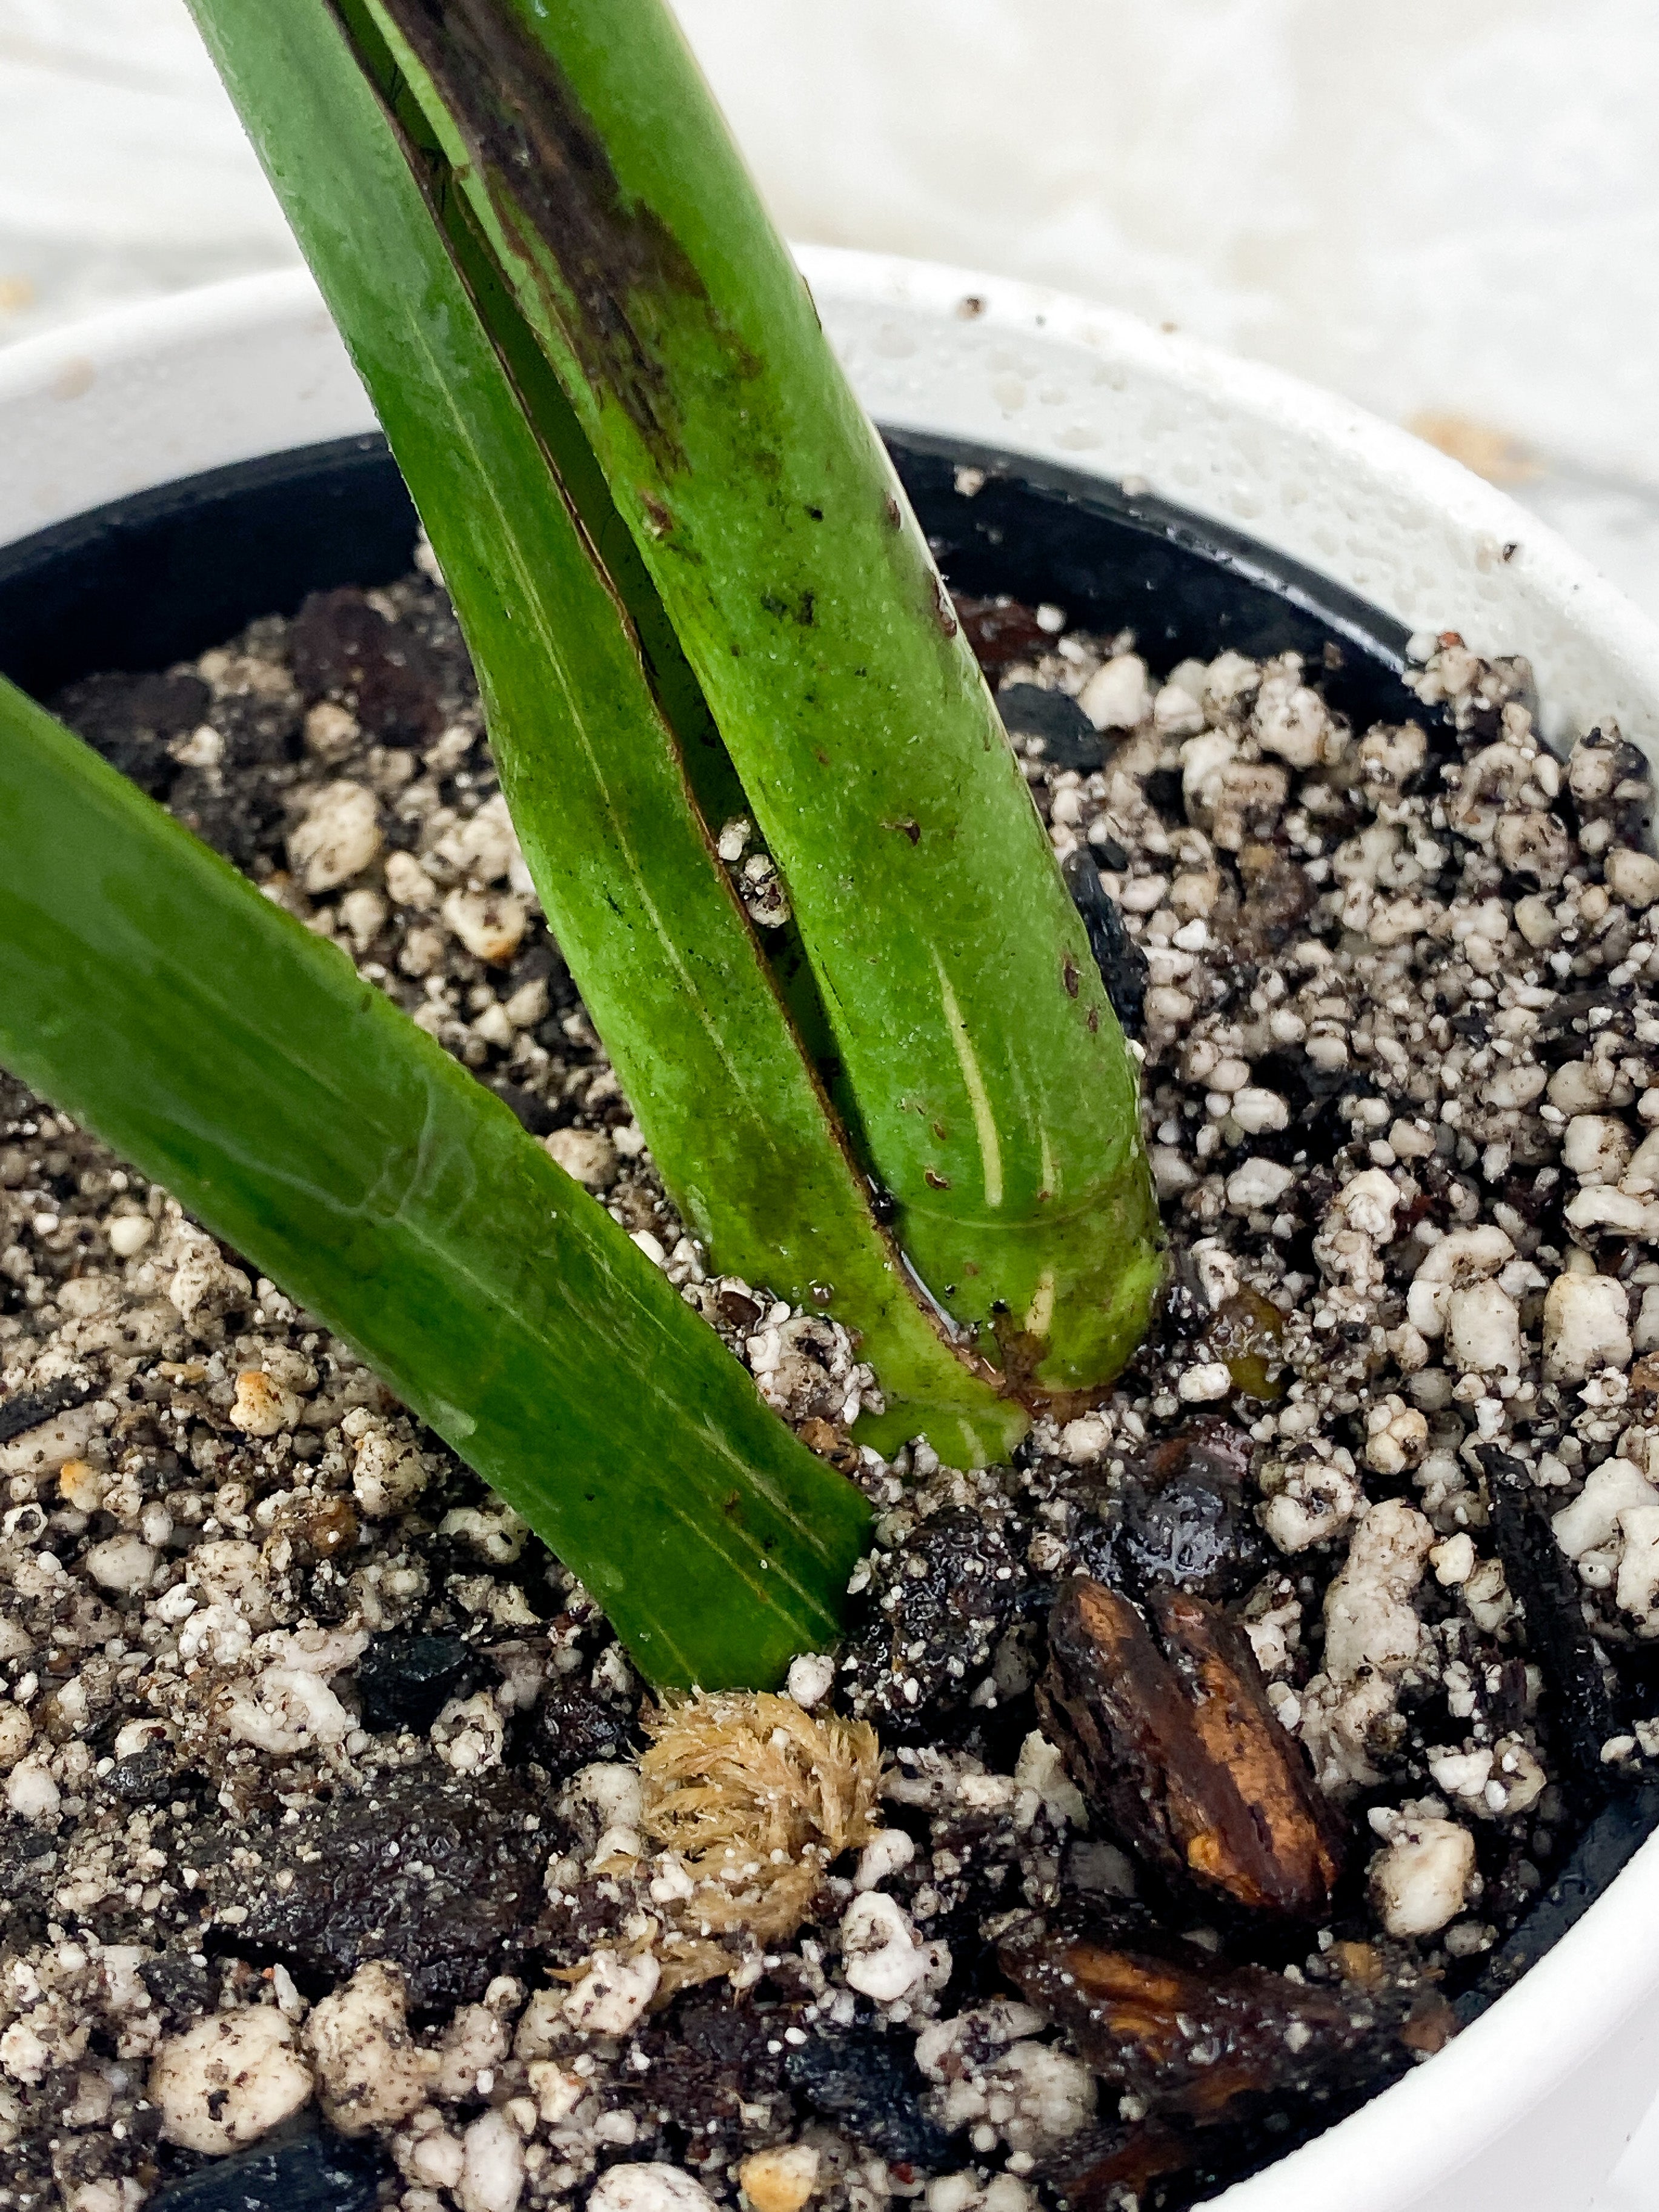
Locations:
489 1232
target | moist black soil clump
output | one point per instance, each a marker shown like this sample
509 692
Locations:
935 1610
575 1726
1252 1730
23 1410
1121 963
443 1881
134 721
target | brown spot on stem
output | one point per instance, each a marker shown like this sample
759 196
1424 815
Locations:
944 613
1069 972
934 1180
551 186
801 611
910 829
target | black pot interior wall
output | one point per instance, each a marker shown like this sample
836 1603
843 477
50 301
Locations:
161 577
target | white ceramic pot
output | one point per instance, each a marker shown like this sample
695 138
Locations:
1532 2108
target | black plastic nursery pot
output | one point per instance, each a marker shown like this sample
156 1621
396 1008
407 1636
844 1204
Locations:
156 578
160 577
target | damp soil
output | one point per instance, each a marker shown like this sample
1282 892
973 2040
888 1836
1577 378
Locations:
1196 1774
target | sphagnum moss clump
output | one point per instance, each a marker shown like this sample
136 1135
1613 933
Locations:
757 1799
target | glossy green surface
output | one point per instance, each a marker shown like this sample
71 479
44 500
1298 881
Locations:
153 993
598 729
995 1092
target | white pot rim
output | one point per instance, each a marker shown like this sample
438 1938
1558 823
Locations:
940 350
165 390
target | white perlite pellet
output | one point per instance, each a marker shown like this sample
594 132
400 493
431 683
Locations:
370 2074
1586 1326
1256 1109
1318 1499
337 837
1115 697
882 1958
491 924
388 1472
263 1406
122 1564
1632 877
31 1792
1461 1257
1420 1879
810 1679
1258 1185
492 2164
127 1235
1596 1148
1372 1636
1483 1330
587 1155
469 1733
407 882
16 1730
228 2081
648 2189
613 1993
1209 1381
886 1855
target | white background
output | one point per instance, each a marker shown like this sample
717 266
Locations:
1442 206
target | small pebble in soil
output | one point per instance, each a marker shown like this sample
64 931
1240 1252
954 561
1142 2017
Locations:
1066 737
405 1681
868 2083
307 2170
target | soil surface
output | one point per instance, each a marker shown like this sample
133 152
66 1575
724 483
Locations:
1175 1786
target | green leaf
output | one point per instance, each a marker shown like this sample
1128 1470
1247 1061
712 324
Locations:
995 1089
154 994
610 763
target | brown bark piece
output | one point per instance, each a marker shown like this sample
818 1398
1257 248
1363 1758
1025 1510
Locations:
1192 2043
999 630
1185 1760
1096 2171
1300 1856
